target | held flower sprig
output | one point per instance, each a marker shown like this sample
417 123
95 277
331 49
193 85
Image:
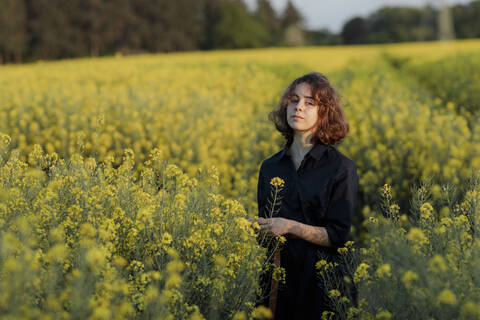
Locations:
273 207
277 182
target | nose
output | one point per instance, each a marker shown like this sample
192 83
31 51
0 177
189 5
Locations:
299 105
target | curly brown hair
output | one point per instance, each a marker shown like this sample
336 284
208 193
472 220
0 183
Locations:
331 126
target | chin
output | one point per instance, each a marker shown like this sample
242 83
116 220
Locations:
298 128
295 125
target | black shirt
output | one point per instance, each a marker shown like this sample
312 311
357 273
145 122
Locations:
323 192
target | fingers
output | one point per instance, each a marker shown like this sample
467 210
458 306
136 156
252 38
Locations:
264 224
262 221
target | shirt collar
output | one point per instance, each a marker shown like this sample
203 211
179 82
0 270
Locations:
316 152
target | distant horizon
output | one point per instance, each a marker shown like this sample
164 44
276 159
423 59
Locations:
333 14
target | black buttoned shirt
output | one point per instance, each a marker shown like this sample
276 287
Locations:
322 192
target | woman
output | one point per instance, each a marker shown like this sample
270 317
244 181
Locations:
319 195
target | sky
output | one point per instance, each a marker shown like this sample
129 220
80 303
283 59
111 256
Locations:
333 14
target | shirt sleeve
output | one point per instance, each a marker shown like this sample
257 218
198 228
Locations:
342 206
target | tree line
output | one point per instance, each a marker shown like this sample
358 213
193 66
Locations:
400 24
54 29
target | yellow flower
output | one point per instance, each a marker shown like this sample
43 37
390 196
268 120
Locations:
446 297
469 310
57 253
319 265
5 139
262 312
281 239
384 270
96 257
387 188
383 315
166 238
327 315
437 264
361 273
373 220
408 277
220 260
334 293
277 182
447 222
240 316
175 266
119 261
461 220
444 212
426 210
417 235
394 207
342 250
349 243
440 230
172 171
196 316
173 281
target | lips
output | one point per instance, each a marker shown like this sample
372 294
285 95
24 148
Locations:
297 117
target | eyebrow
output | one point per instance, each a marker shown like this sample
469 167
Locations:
303 96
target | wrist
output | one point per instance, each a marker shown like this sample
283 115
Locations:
292 224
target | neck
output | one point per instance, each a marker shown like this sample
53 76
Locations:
302 141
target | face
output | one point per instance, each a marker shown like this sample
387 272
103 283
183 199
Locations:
302 112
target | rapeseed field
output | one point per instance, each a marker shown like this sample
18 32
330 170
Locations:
126 183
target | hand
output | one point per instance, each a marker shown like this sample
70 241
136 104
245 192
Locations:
274 226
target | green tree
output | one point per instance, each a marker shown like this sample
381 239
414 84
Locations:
355 31
53 33
169 25
394 24
292 21
466 19
267 17
13 33
322 37
427 29
233 27
109 24
291 16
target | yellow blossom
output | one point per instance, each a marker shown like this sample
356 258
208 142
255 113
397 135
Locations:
361 273
173 281
334 293
417 235
327 315
96 257
426 210
166 238
349 243
446 297
384 270
261 312
320 264
408 278
383 315
277 182
437 264
240 316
